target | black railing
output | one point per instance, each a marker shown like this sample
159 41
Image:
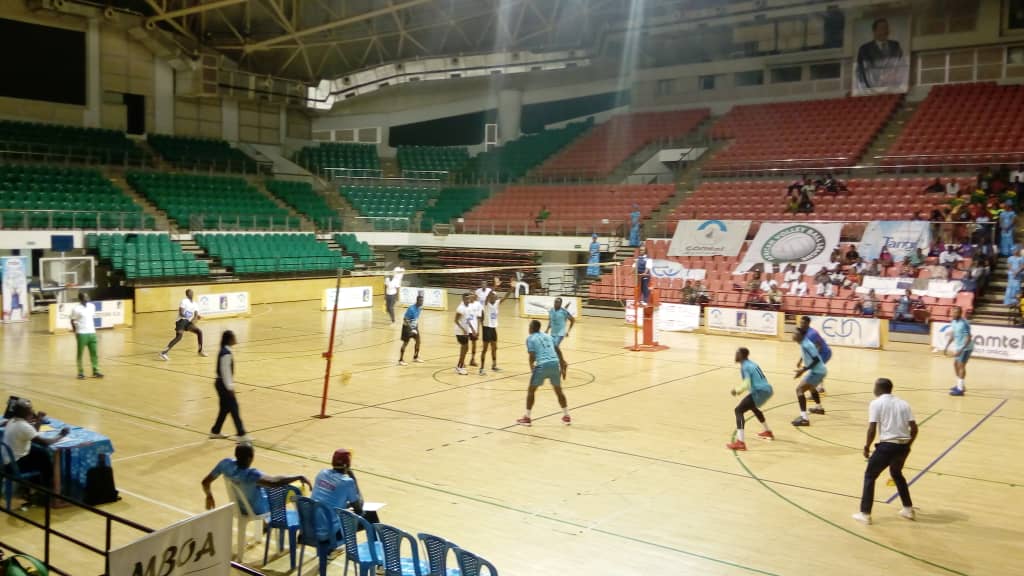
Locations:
25 219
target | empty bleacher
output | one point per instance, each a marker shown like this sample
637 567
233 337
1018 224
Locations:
432 158
51 197
304 199
273 253
977 124
358 157
211 202
808 134
201 154
514 159
48 142
573 209
353 245
452 203
145 256
608 145
390 206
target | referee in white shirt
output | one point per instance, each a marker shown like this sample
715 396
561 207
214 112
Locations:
83 322
891 419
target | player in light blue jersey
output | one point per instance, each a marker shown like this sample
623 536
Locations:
557 318
960 335
811 374
545 362
823 348
760 391
411 330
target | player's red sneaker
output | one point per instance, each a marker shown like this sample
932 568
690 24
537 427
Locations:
566 419
524 421
766 435
737 445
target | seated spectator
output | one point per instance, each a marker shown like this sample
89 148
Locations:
805 203
701 292
837 278
250 481
689 294
937 248
907 269
885 258
790 275
853 279
823 283
950 259
797 184
337 487
792 202
867 304
767 284
935 187
21 435
905 307
832 185
917 258
873 269
851 255
860 266
798 287
966 250
775 296
543 215
756 299
755 283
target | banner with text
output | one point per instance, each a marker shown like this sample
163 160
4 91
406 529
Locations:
198 546
223 304
109 313
998 342
15 271
348 298
884 286
668 317
900 237
538 306
747 322
670 269
781 243
849 331
433 298
709 237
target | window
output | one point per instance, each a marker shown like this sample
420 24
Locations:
787 74
664 87
750 78
827 71
706 82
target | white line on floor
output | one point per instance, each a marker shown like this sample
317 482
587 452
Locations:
157 502
161 451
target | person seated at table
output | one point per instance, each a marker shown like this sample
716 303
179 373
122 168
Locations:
249 480
21 435
867 304
337 488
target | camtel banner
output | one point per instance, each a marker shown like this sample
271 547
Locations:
851 331
198 546
433 298
781 243
709 237
998 342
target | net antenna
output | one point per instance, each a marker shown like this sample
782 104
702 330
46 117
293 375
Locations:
329 354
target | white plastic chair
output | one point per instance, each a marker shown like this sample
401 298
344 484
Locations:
243 516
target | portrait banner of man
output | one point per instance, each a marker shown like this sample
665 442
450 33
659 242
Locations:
882 65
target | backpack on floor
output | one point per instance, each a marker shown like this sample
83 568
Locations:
99 483
11 566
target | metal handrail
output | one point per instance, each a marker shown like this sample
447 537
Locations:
252 222
80 219
531 227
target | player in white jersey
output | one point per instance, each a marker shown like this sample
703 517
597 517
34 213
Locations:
188 315
475 313
464 330
490 327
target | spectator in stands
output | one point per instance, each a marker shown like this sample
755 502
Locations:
884 257
797 184
838 279
966 249
851 255
755 282
542 216
917 258
867 304
775 296
982 227
853 279
793 202
952 187
859 266
689 293
790 275
806 202
878 59
1007 225
936 187
767 284
823 283
1018 174
833 186
835 260
950 259
1014 274
249 481
907 269
756 299
798 287
634 226
905 306
937 248
873 269
701 292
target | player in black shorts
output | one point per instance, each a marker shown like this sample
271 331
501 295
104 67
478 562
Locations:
490 328
188 315
411 331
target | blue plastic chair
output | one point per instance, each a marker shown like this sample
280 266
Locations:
437 554
317 530
365 555
395 564
470 564
282 519
13 474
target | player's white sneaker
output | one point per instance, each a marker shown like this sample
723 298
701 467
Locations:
417 360
461 371
482 372
862 518
908 513
403 363
164 356
216 436
244 439
203 354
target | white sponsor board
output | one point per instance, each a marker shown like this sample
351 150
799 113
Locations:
900 237
897 286
739 321
538 306
849 331
348 298
998 342
433 298
781 243
668 317
223 304
109 313
198 546
708 237
670 269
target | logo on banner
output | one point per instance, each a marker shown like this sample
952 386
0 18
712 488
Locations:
666 269
841 328
711 233
794 244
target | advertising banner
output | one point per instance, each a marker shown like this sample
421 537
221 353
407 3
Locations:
883 55
709 237
198 546
109 313
997 342
348 298
781 243
748 322
15 271
433 298
538 306
900 237
884 286
670 269
223 304
849 331
668 317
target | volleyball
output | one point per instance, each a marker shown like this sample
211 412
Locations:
794 247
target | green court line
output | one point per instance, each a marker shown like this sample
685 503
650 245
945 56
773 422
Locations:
843 528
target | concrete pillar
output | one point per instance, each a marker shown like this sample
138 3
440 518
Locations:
510 111
229 120
93 81
163 96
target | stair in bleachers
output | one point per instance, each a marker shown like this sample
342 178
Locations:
303 198
202 154
989 308
162 222
889 133
306 224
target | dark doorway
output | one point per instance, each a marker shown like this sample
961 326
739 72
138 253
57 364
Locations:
135 107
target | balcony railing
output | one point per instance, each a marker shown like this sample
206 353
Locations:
19 219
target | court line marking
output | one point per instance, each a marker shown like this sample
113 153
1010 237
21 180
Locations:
156 502
854 448
155 452
951 447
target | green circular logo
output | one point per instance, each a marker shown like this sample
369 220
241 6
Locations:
798 243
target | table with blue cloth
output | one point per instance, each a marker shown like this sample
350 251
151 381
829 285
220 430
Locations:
74 456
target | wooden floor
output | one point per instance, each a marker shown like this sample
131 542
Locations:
641 483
